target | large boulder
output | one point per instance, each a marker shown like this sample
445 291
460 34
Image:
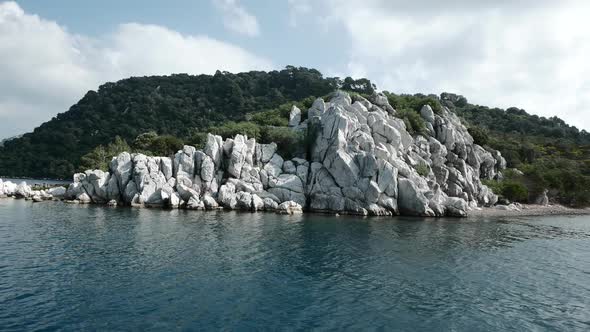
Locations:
456 207
244 200
289 207
227 195
184 165
214 149
542 199
57 192
411 200
294 116
257 203
7 188
427 113
238 156
121 167
22 190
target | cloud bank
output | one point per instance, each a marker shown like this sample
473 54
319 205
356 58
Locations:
45 68
236 18
531 54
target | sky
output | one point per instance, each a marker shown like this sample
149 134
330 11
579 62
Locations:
501 53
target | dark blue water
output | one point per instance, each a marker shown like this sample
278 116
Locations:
72 268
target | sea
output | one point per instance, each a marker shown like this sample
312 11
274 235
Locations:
67 267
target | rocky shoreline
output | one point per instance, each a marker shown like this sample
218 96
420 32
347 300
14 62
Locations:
360 159
528 210
498 211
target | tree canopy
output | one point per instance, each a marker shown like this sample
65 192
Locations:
175 105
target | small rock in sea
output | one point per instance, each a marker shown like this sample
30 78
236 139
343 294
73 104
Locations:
289 207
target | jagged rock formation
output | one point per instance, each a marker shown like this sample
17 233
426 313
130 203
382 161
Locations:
362 161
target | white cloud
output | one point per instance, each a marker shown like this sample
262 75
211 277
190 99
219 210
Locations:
236 18
296 9
530 54
45 69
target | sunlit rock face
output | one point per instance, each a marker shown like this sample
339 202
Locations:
361 160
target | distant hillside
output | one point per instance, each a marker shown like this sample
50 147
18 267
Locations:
8 139
158 114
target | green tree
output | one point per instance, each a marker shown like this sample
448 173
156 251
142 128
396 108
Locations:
100 156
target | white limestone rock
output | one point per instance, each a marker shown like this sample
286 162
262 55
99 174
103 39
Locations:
195 204
57 192
289 167
257 203
121 167
184 165
363 161
294 116
167 168
130 192
186 193
214 149
22 190
317 108
411 200
210 202
207 169
275 166
456 207
542 199
427 114
174 201
289 207
84 198
238 156
270 204
7 188
244 200
227 195
267 151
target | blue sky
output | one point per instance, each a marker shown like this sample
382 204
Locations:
277 40
525 53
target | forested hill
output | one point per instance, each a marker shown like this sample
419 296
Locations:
169 105
158 114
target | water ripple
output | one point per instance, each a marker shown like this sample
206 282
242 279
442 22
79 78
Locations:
68 267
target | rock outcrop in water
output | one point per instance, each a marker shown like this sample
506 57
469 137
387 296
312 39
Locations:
362 160
22 190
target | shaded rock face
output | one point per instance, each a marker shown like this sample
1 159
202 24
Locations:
362 161
542 199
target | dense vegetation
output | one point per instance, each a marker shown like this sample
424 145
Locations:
157 115
550 154
177 105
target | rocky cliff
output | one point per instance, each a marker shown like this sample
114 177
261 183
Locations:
361 160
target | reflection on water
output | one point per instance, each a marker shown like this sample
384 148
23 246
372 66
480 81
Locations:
86 267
